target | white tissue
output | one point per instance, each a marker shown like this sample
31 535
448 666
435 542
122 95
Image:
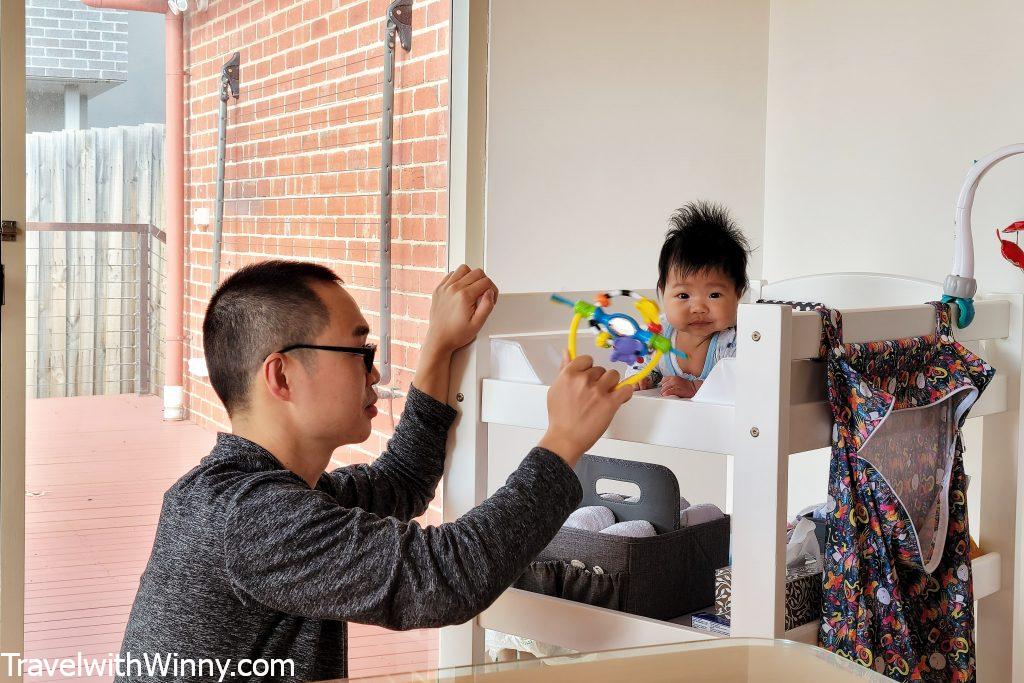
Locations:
803 547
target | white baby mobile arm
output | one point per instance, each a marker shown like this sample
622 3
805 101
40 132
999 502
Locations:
960 285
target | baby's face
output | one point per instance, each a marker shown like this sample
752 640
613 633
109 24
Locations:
700 303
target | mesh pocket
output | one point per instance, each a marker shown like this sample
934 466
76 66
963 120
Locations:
564 580
913 450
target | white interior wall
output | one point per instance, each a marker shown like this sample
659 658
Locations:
876 110
701 476
603 117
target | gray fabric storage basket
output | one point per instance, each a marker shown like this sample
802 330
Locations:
662 577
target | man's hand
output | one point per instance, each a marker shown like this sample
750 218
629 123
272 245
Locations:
678 386
581 404
459 308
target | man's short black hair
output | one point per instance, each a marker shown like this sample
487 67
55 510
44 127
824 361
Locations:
258 310
703 237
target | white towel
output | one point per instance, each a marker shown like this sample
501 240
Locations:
701 513
590 518
617 497
638 528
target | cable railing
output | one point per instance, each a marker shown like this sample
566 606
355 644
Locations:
95 299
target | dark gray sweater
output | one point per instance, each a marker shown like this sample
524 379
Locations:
249 562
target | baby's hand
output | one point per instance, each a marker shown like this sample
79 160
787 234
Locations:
679 387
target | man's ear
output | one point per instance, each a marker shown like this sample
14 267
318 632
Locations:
274 376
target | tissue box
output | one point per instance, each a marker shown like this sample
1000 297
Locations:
803 594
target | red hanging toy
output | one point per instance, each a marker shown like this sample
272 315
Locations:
1011 251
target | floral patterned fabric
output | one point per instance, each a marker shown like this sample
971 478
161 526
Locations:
897 584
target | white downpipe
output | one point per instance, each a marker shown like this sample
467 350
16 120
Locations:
174 403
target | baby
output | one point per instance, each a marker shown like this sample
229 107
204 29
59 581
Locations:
702 274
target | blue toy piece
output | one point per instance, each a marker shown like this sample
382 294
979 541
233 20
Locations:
628 350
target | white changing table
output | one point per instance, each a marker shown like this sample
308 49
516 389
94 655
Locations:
779 410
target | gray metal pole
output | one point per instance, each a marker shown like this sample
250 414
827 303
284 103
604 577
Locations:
228 88
399 23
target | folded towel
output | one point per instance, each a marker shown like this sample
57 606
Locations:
590 518
619 498
616 497
638 528
701 513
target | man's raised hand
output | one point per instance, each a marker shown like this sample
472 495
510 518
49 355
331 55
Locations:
581 404
459 308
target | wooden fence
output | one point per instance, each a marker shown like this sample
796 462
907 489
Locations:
95 292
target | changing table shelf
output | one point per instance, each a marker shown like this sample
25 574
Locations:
704 427
579 626
585 628
690 425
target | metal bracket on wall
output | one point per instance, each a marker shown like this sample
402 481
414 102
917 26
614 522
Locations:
399 22
228 88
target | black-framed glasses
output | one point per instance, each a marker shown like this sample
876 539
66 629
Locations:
367 351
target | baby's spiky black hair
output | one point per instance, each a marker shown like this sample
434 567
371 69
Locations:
701 237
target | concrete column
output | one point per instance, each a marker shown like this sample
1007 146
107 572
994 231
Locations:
73 119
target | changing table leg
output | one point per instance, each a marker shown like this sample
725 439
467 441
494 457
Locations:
465 482
1000 617
760 471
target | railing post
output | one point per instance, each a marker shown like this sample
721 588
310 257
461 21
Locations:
142 379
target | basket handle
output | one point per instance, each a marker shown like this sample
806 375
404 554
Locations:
659 490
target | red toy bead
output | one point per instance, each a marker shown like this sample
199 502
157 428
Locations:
654 328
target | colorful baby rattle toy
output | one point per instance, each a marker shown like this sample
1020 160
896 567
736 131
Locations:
630 343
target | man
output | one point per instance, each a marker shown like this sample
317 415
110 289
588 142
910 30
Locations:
262 555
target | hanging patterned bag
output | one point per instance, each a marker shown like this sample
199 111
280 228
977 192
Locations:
897 582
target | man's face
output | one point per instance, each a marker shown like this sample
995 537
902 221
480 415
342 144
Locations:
334 397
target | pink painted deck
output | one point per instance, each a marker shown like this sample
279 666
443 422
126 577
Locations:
96 473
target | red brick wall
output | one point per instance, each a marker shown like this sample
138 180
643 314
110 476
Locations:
303 156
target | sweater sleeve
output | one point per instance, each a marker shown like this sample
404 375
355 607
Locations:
402 481
301 552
